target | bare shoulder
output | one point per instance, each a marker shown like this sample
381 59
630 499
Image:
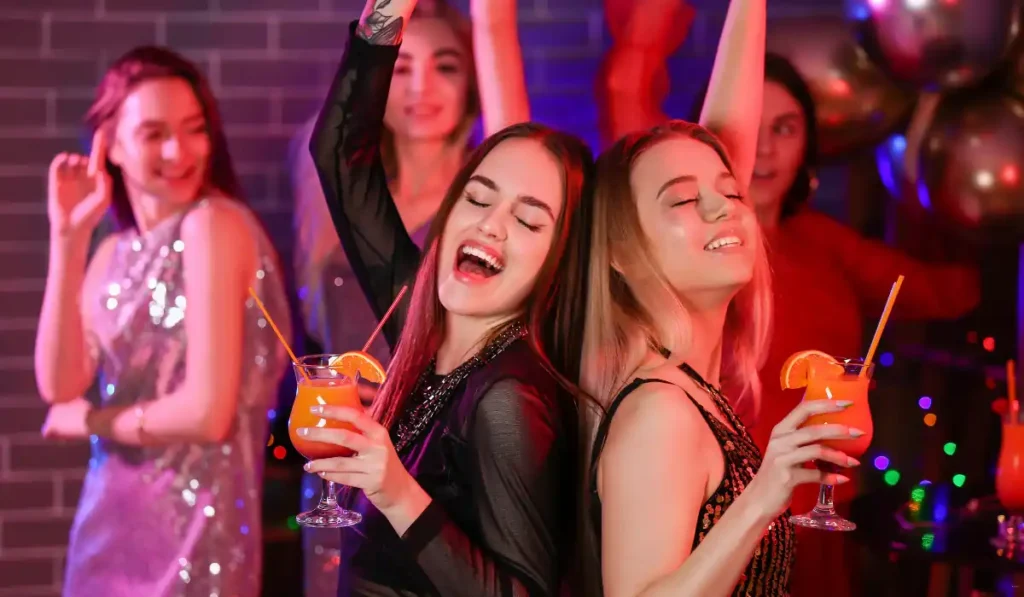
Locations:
220 223
655 410
657 437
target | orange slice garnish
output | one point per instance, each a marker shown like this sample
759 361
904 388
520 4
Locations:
357 361
802 366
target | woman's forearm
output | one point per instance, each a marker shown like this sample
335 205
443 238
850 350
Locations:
715 566
499 64
732 109
62 362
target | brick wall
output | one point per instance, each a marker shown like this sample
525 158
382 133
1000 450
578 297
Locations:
269 62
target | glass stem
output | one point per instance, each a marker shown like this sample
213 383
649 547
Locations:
329 496
825 499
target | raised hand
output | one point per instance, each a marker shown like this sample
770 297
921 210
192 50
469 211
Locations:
78 189
383 21
792 446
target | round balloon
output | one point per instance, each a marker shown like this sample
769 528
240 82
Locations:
857 104
972 157
936 44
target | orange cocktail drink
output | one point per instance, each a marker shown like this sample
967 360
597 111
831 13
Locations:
836 384
1010 470
825 377
336 391
328 380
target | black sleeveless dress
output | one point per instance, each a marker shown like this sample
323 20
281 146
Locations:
767 573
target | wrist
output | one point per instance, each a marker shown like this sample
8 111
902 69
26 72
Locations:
126 424
409 505
751 507
489 13
69 242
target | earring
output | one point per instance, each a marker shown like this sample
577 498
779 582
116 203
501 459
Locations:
812 182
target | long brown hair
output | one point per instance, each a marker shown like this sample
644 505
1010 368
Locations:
143 64
552 311
463 30
633 307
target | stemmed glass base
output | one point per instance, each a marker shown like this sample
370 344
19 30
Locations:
328 514
823 517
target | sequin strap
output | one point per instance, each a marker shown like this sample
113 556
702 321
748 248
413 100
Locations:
721 402
433 397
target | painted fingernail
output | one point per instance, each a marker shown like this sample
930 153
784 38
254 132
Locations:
851 461
303 431
854 432
843 403
840 479
317 409
307 466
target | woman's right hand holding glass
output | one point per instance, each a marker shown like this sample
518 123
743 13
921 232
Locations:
78 190
791 447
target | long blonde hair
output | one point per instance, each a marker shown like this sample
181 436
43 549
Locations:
633 308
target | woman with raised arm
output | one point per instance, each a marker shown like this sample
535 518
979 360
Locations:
679 298
829 279
445 76
465 473
186 362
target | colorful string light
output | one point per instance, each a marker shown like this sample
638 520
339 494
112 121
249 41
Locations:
927 541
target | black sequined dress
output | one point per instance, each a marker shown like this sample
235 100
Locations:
767 573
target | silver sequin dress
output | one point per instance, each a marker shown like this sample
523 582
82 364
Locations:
184 519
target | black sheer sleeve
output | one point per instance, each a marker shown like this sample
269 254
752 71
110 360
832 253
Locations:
520 465
346 150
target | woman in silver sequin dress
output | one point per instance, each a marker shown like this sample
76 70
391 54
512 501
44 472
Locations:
185 361
436 95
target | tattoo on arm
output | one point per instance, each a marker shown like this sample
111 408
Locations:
380 28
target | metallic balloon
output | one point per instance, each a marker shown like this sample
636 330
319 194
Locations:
857 104
936 44
972 159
